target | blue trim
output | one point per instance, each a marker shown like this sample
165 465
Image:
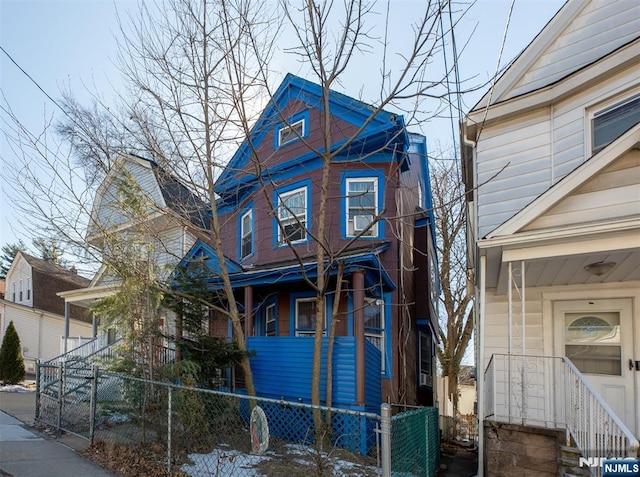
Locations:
304 116
260 318
202 251
362 174
248 207
384 128
276 201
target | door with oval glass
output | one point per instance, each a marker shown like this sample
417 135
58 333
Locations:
598 337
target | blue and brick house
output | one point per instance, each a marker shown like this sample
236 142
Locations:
379 234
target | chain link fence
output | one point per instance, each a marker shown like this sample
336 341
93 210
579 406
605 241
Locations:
415 444
181 430
188 431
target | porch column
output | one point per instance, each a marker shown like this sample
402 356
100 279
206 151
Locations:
358 331
248 311
94 326
67 316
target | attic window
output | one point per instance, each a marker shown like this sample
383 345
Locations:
612 122
291 132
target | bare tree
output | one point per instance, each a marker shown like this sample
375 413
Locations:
456 324
199 73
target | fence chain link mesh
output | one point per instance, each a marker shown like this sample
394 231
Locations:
187 431
415 443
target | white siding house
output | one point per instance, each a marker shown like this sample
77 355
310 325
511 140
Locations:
552 167
37 312
173 219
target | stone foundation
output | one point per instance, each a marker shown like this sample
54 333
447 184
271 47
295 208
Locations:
523 451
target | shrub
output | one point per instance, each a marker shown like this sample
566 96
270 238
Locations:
11 361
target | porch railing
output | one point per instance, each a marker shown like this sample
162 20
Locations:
550 392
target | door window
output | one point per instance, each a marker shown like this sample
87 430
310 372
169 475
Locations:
592 342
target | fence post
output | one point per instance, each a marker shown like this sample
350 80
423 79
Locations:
60 391
385 433
93 403
37 416
169 429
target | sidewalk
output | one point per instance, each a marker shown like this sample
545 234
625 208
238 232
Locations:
26 453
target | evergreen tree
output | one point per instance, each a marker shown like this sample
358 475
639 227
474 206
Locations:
11 361
9 252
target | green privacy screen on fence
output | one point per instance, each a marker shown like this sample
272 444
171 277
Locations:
415 443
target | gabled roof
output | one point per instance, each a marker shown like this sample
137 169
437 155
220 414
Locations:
170 192
581 33
201 252
54 271
564 187
385 127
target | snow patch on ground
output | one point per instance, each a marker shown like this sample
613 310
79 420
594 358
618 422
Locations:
226 462
15 388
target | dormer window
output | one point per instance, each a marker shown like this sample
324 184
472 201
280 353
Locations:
610 123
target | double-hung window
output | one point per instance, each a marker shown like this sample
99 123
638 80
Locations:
20 292
374 327
306 317
610 123
28 289
292 216
362 206
246 234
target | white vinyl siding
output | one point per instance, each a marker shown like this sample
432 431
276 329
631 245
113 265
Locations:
109 211
40 332
522 157
600 28
613 193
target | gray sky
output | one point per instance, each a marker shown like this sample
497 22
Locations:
70 44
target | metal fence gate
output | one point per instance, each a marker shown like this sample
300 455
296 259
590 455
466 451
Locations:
64 395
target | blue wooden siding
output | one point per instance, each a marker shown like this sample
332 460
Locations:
282 368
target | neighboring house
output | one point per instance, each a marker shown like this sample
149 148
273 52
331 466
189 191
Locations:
31 302
390 282
551 161
466 393
173 219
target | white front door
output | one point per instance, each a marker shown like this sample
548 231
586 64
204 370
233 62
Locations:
598 337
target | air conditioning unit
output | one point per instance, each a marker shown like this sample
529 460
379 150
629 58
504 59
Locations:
424 379
361 222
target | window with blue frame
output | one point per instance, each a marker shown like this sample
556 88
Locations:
292 216
362 206
374 327
246 234
305 318
293 129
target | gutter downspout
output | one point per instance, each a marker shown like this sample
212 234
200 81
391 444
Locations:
479 313
480 364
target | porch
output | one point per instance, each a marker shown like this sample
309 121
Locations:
546 392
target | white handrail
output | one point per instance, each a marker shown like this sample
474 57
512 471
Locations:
596 429
551 392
